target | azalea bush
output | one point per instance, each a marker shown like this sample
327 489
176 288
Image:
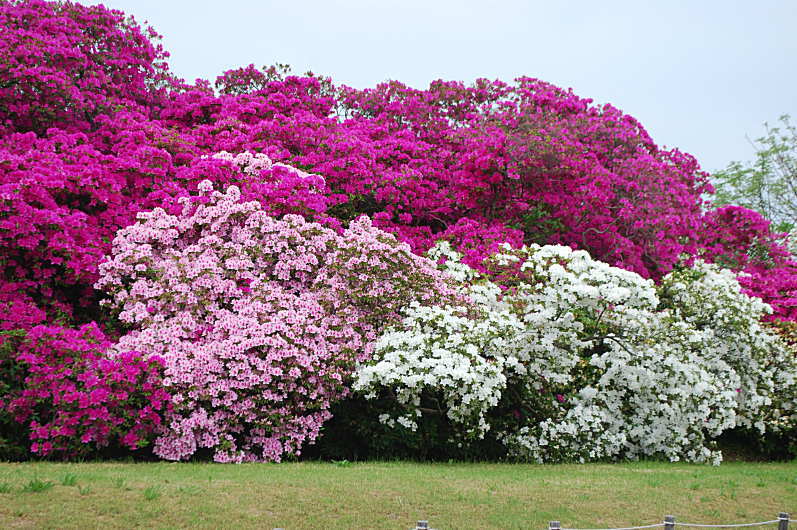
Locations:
73 400
14 436
258 321
742 240
577 360
491 162
668 382
440 361
65 64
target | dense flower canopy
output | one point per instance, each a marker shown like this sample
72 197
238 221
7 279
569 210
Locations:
95 129
107 161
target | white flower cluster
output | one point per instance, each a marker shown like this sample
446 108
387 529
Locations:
668 374
441 357
569 302
604 363
708 298
446 360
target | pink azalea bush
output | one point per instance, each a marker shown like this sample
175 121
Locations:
259 321
530 156
62 198
742 240
64 65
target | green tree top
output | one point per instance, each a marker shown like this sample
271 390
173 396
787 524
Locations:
769 183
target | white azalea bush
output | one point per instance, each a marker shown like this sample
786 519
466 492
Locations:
708 298
650 394
446 362
762 353
781 417
571 359
442 355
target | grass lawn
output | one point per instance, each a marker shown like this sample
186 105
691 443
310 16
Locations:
388 494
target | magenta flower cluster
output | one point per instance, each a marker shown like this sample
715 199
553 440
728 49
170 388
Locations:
76 397
94 129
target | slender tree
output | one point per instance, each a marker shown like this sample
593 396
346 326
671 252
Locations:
768 184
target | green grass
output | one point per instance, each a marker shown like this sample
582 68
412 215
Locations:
388 495
70 479
36 485
152 492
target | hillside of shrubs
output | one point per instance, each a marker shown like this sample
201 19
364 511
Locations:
272 266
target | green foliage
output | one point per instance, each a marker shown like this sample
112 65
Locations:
352 435
787 331
538 224
37 485
13 435
152 493
769 183
355 206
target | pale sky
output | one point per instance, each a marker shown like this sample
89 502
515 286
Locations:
700 75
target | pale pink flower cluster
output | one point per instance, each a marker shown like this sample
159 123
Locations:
253 163
250 163
259 321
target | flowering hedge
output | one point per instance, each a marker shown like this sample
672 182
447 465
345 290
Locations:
95 130
577 360
523 162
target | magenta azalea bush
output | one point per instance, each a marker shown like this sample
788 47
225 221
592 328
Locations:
527 161
344 191
75 397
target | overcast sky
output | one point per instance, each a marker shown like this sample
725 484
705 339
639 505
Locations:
700 75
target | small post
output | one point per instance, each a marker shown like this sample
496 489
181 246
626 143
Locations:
783 521
669 522
554 525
